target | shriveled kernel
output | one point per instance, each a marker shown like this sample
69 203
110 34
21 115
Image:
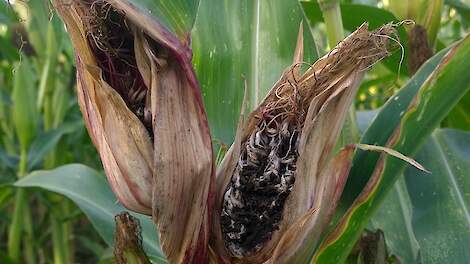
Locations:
266 170
263 179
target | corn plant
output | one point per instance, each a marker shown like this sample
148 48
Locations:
38 108
228 134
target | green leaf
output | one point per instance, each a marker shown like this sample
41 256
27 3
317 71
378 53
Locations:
237 40
7 14
8 160
394 218
353 15
441 200
24 109
91 192
37 28
364 118
47 141
429 213
395 213
5 194
459 117
177 15
8 52
436 97
382 127
5 259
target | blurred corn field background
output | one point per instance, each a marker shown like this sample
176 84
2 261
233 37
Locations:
56 205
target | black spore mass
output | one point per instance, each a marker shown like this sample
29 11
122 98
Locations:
262 181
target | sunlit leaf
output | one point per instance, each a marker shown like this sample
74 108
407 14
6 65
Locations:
441 201
48 141
91 192
176 15
435 98
394 217
237 40
459 117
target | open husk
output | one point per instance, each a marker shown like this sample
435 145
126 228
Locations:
300 118
143 110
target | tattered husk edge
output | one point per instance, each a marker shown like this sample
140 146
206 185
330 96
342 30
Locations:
323 123
303 236
181 245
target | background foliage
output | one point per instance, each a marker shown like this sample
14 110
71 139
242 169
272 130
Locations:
56 206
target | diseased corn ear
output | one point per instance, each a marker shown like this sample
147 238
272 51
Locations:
125 148
297 243
283 172
143 109
223 175
122 141
334 79
226 169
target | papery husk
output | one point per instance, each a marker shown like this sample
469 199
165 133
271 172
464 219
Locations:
122 141
167 174
183 160
328 88
128 240
297 243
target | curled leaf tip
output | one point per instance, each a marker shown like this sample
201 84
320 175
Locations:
393 153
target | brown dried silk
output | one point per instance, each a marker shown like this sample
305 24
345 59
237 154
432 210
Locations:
278 185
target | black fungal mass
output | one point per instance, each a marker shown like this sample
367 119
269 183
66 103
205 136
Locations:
262 181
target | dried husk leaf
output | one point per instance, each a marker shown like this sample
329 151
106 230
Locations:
303 236
121 139
183 162
223 174
166 170
327 88
128 240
